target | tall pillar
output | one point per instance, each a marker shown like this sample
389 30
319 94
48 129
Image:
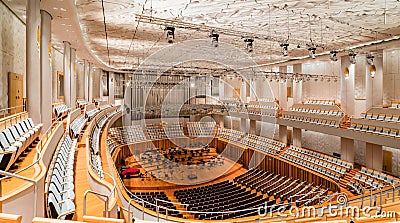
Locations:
80 80
73 77
111 85
283 133
67 73
45 70
297 137
347 149
374 156
374 85
253 125
347 97
297 86
283 89
33 59
243 125
86 71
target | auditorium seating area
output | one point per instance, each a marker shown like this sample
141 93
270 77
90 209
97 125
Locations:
265 107
61 111
60 180
264 144
77 126
81 103
320 163
367 178
90 111
232 104
286 189
128 134
159 198
165 131
395 104
221 197
378 121
230 134
15 139
316 112
201 129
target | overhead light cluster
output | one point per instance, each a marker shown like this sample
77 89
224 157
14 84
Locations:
214 38
170 34
352 57
333 56
249 44
311 52
285 47
372 68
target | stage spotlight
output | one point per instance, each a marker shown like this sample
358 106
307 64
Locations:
333 55
372 70
352 57
249 44
370 59
170 34
214 38
285 48
311 52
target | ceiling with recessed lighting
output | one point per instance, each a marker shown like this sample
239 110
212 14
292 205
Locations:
136 29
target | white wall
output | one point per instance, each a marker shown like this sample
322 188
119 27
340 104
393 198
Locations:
321 89
321 142
57 65
391 76
12 51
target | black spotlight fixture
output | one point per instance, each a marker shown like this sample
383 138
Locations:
170 33
370 59
333 56
214 38
285 47
352 57
249 44
311 52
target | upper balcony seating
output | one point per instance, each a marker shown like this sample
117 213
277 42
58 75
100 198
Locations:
260 143
60 191
15 139
322 164
232 104
395 104
378 121
77 126
264 107
61 111
368 178
230 134
201 129
323 113
162 200
224 196
320 102
90 111
128 134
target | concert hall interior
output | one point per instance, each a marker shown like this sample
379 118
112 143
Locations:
245 111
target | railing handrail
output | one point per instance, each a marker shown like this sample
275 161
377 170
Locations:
99 194
10 108
35 189
42 142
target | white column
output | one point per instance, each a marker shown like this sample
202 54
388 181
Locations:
374 88
283 133
73 77
111 85
67 73
221 89
297 87
297 137
347 97
33 59
86 70
347 149
283 90
374 156
243 125
45 70
253 125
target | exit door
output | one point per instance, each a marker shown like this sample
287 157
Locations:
15 91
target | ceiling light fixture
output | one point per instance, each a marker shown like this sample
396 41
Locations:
214 38
249 44
333 56
285 51
372 70
370 59
352 57
346 73
170 34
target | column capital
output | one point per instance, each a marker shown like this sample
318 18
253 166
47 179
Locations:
46 12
